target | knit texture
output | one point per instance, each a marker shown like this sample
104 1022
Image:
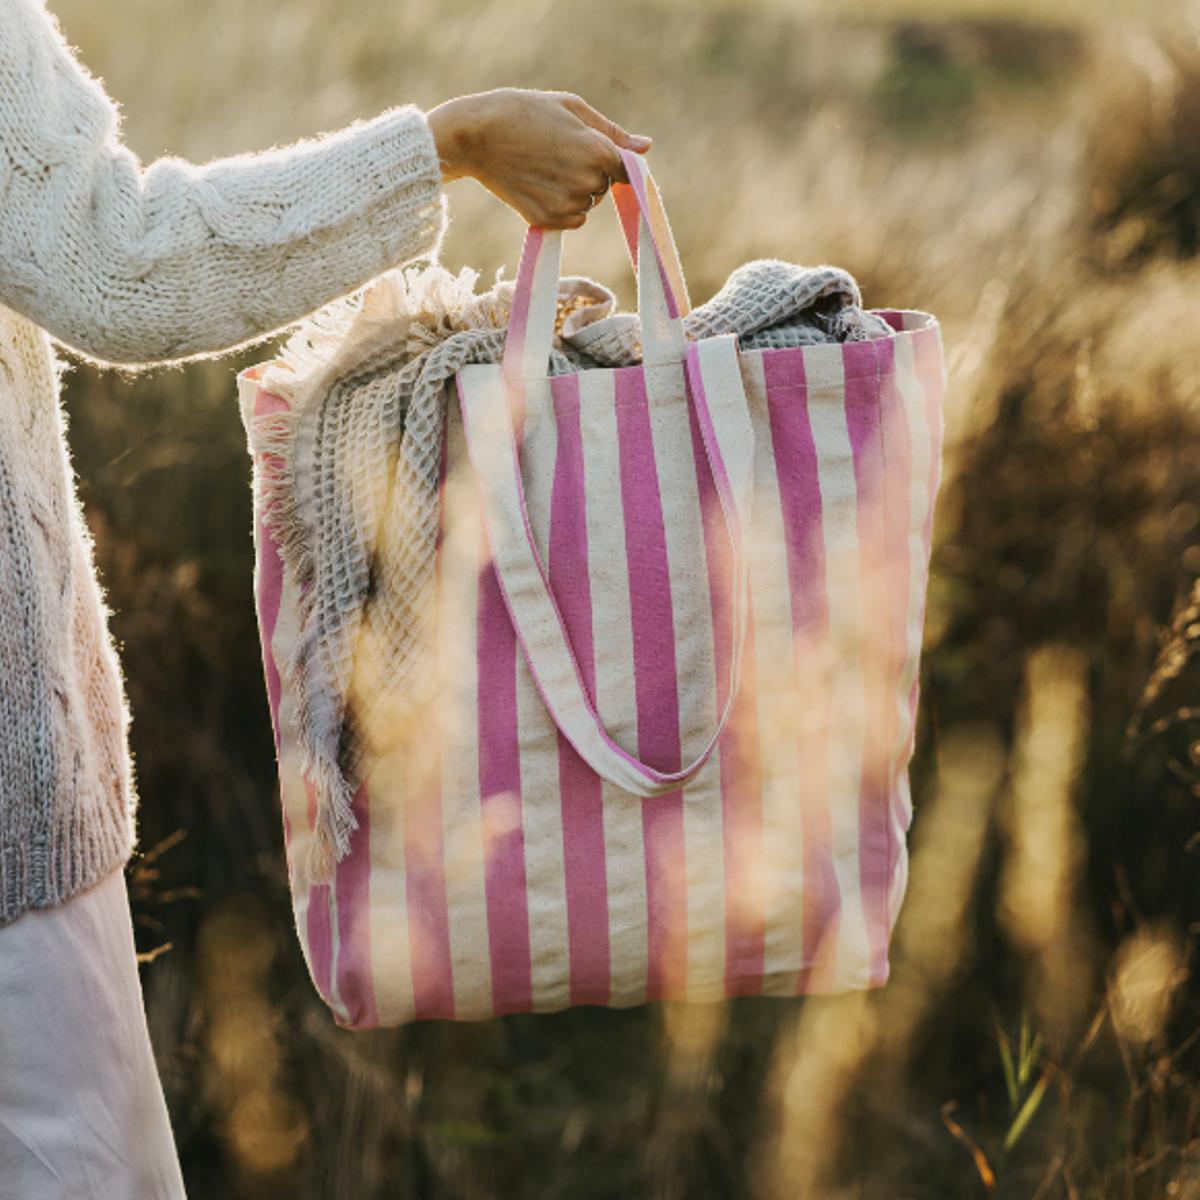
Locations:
125 264
353 500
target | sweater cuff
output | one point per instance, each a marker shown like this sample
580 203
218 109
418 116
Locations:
394 177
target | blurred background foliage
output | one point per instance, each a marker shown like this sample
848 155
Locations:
1031 174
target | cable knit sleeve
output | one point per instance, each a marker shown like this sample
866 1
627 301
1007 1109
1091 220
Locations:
172 261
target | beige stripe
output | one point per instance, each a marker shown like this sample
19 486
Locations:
625 852
391 964
695 670
779 707
462 823
915 412
827 412
545 873
543 303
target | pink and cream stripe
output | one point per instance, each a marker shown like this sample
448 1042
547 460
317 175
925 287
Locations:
679 622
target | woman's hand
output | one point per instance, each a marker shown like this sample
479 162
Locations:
545 154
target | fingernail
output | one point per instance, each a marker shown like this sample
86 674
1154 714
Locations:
640 138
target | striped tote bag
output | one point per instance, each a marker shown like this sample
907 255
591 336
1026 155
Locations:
678 630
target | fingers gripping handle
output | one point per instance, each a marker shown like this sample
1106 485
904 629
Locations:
662 290
490 419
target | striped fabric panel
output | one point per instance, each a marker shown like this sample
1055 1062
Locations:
299 801
655 684
517 879
913 402
931 371
320 934
920 380
907 446
545 978
827 399
791 467
776 704
277 601
447 892
697 947
390 959
865 365
354 977
625 876
429 921
737 760
325 933
895 583
500 797
580 814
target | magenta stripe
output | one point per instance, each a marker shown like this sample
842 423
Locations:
655 687
425 874
798 480
355 981
500 797
738 760
518 322
580 788
629 214
641 190
865 363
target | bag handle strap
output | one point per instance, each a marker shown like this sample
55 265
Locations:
714 381
641 195
662 290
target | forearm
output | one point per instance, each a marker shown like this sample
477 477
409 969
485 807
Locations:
173 261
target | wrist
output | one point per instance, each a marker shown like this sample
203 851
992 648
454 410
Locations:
453 124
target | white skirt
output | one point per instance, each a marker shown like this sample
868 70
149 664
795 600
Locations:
82 1113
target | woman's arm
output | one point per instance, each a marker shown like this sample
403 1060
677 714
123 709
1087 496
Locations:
125 264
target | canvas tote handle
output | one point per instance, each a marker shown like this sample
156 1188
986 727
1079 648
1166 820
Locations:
662 291
493 406
629 211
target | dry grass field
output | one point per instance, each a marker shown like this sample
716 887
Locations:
1030 173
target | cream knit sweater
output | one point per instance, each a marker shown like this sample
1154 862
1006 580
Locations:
130 264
